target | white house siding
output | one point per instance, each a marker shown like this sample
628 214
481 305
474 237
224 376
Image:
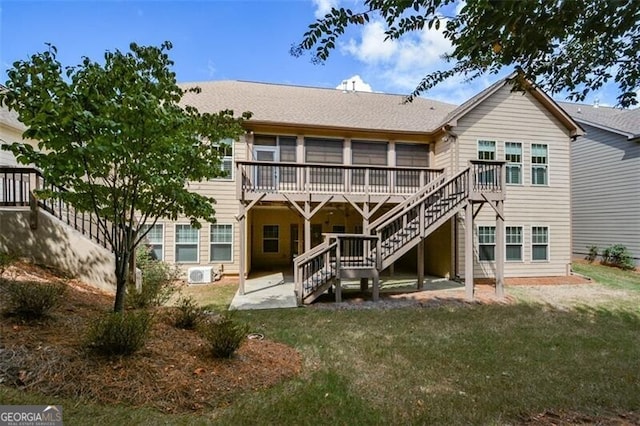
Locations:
224 192
514 117
8 135
605 191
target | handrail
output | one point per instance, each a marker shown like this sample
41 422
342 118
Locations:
408 202
422 198
337 166
85 222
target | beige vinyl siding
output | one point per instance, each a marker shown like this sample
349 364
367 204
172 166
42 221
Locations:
514 117
224 192
9 135
605 191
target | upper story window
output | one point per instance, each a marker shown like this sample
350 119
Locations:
539 164
414 156
322 151
369 154
513 156
486 150
225 153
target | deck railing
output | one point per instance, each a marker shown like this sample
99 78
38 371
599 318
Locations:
270 177
18 183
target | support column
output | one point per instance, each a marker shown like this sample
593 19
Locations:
242 222
421 264
468 251
500 250
364 282
307 226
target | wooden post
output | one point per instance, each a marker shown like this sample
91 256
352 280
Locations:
500 250
421 264
242 221
307 226
468 251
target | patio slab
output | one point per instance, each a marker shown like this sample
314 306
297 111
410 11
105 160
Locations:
268 291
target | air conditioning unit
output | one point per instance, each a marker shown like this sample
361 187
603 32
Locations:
199 275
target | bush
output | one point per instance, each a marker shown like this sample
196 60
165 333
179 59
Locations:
593 253
119 333
158 281
618 255
6 260
31 299
224 335
188 314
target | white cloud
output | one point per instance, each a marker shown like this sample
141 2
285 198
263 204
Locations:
324 6
356 83
401 63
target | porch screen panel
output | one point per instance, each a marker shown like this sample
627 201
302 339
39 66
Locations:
325 151
264 140
411 155
287 155
369 154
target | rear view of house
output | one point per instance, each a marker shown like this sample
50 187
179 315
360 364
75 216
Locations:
605 179
332 183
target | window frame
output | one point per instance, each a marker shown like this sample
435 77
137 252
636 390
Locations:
212 242
514 164
224 158
264 239
151 243
547 244
544 166
478 151
507 244
176 244
482 244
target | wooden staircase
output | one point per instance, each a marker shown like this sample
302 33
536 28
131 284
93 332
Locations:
392 235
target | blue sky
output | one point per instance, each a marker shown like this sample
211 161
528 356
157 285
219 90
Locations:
236 40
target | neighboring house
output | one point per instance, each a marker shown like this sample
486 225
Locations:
605 179
406 185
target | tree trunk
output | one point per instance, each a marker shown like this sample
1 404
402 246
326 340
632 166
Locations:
122 269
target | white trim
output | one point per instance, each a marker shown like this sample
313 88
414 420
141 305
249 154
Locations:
507 244
163 243
547 165
478 243
211 225
176 243
521 163
548 259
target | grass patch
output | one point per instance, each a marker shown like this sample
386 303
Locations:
609 276
214 297
481 364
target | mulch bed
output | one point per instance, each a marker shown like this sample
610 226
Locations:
173 372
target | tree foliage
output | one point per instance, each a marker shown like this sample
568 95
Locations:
561 45
115 134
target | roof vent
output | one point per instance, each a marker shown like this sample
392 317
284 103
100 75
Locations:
596 103
354 85
344 86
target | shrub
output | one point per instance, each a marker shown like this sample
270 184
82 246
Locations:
224 335
119 333
593 253
618 255
6 260
158 281
31 299
188 313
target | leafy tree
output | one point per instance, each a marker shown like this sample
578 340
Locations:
572 45
115 134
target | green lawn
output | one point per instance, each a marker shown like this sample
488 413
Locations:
450 365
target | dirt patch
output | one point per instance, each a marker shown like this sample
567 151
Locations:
173 372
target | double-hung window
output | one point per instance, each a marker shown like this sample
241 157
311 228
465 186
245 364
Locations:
225 154
486 152
487 243
539 164
513 239
155 240
187 243
513 156
270 238
221 238
539 243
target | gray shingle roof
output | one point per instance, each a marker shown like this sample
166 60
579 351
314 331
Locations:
622 120
319 106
